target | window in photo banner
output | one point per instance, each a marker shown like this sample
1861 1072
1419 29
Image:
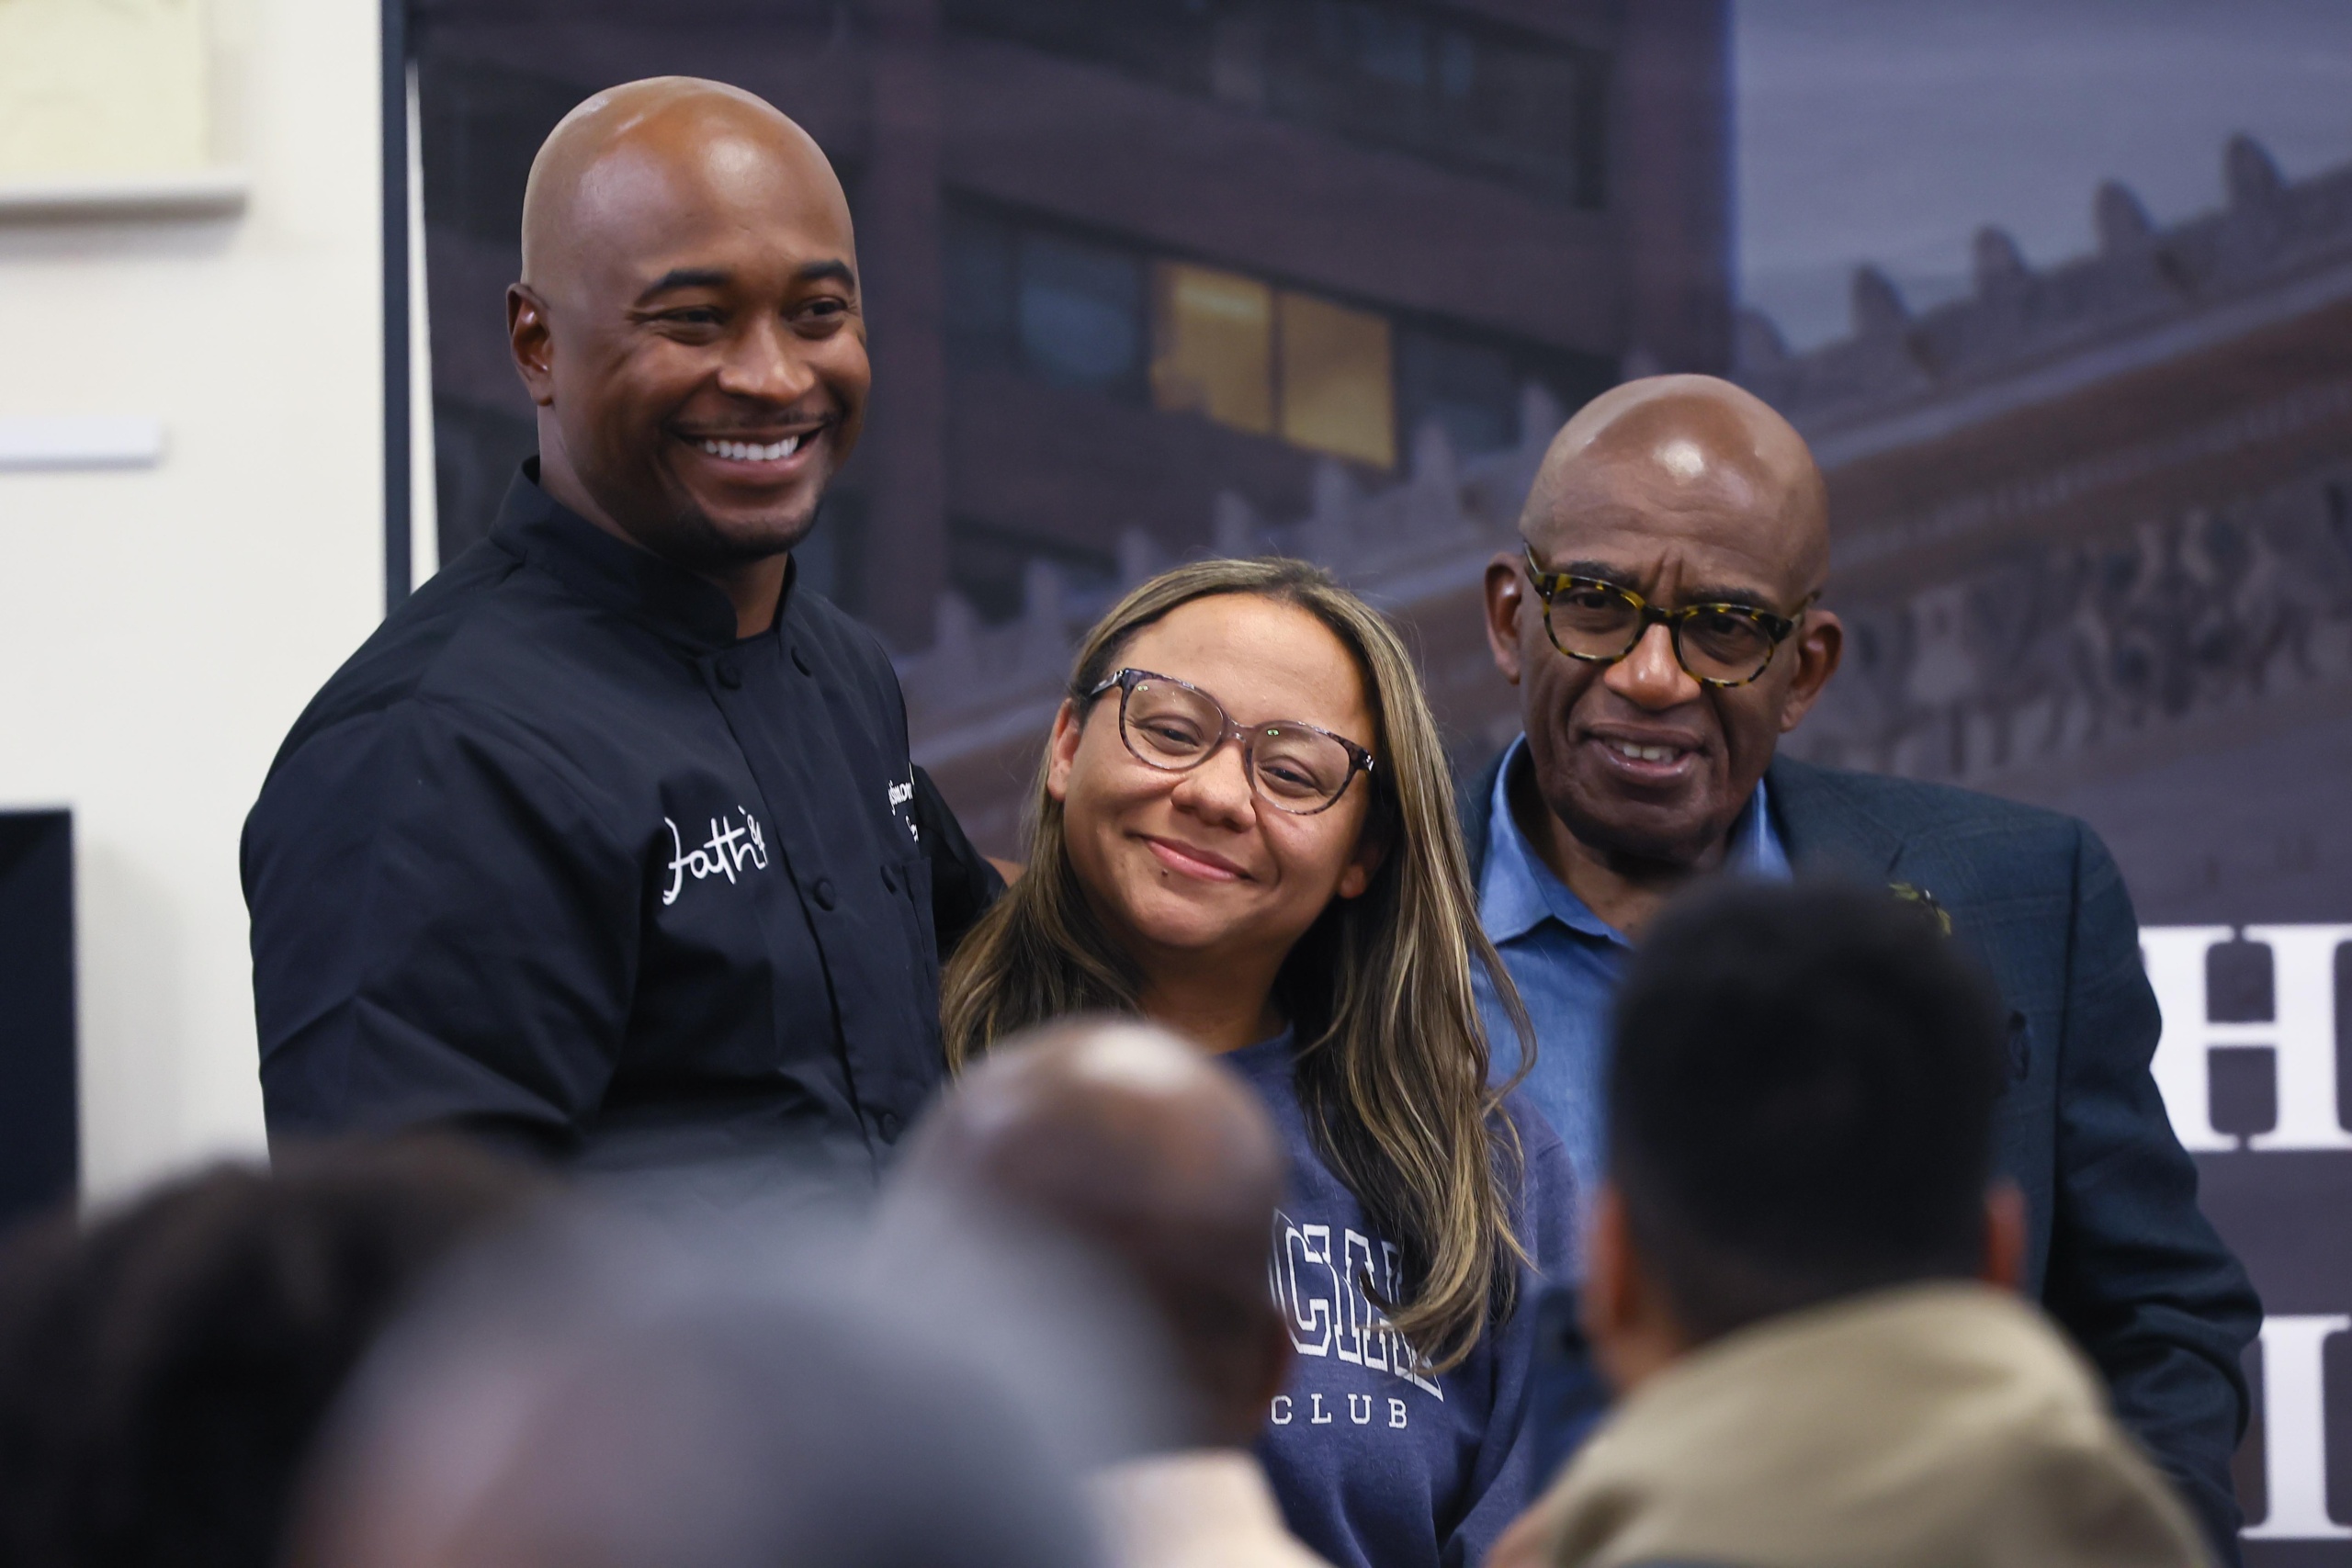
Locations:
1440 83
979 255
1186 338
1380 42
1336 387
1213 346
1445 85
1080 313
1469 389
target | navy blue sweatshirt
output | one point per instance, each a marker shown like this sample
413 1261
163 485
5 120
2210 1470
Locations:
1377 1462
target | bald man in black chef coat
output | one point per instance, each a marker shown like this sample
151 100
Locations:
607 843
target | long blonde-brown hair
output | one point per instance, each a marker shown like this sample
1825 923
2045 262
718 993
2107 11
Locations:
1392 1062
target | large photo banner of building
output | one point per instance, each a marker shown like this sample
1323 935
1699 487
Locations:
1173 277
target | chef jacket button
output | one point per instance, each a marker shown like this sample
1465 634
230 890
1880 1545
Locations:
887 1124
729 675
824 893
800 662
889 883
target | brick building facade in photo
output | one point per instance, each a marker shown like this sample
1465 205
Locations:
1124 260
2093 537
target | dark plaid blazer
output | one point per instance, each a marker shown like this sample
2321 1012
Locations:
2118 1250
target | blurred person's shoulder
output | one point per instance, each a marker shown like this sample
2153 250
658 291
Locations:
1932 1421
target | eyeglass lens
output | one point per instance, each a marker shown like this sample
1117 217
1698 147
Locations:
1173 728
1717 645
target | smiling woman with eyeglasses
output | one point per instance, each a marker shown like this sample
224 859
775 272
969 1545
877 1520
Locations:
1244 830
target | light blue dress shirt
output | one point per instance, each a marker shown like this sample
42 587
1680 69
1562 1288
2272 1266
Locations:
1566 963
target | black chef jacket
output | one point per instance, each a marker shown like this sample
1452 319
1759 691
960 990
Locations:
557 857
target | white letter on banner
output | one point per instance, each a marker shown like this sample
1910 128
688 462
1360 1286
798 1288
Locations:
2301 1034
2294 1430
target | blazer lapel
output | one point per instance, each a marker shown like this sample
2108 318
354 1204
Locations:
1825 826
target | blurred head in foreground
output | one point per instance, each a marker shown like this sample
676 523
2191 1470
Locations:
1122 1137
164 1367
1800 1109
600 1398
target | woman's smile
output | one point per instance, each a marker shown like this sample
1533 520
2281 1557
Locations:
1192 860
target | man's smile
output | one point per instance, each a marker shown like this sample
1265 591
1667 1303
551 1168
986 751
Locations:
1647 758
746 452
771 453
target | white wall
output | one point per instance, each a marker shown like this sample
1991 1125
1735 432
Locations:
160 629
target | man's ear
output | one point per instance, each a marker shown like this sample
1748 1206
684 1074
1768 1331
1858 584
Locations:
2005 1228
1069 730
1605 1300
531 342
1820 643
1635 1332
1506 597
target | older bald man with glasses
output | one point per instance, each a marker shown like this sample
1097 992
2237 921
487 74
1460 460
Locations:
1663 627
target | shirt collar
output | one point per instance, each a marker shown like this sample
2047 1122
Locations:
1519 892
612 572
1756 847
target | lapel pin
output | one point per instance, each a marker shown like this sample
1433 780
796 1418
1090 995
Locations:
1926 900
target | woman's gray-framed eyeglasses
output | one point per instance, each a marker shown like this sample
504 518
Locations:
1174 726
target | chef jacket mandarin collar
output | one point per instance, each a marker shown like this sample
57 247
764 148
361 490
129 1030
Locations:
626 579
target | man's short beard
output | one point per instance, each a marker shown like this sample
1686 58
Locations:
680 531
694 542
1670 854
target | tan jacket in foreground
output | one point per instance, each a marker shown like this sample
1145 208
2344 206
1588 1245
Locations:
1929 1427
1204 1509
